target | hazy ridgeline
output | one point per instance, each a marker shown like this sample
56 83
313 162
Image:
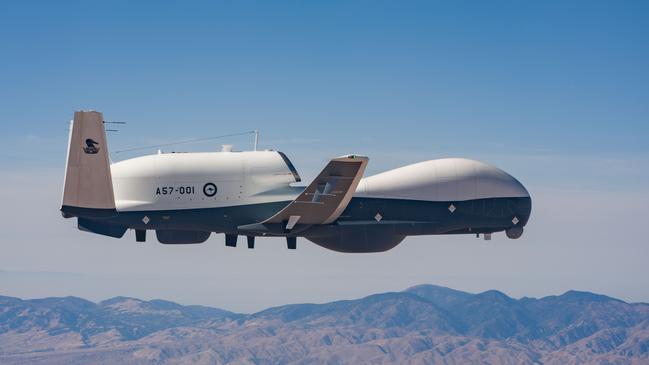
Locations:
423 324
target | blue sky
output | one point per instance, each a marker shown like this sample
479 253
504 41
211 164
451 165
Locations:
556 93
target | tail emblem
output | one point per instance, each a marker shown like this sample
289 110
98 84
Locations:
91 146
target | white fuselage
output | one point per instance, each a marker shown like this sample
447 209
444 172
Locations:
172 181
184 197
175 180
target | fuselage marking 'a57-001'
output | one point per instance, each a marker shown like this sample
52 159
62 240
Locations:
184 197
185 189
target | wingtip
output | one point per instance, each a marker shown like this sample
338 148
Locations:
352 158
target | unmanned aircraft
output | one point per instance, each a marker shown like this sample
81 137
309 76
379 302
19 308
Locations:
185 197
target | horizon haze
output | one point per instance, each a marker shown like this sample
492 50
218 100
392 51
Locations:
554 93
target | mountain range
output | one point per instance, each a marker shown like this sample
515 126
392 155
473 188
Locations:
425 324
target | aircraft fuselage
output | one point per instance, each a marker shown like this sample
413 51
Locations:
184 197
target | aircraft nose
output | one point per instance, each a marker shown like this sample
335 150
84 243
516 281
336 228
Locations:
522 211
521 208
494 182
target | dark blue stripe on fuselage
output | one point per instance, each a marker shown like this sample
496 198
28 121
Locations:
472 216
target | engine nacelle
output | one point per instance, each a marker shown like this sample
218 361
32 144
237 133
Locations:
170 181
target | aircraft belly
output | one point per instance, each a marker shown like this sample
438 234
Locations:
220 219
405 217
413 217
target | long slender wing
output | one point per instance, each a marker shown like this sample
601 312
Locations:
327 196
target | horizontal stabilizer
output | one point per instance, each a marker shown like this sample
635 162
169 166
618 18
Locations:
99 227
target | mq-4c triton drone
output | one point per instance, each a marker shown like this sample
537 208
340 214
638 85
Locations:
185 197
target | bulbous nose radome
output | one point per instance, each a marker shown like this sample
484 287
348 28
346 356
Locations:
492 182
447 180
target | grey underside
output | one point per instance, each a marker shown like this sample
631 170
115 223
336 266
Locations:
397 217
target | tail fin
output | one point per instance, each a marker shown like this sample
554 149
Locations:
88 182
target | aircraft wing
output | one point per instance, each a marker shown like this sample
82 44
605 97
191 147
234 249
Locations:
321 202
327 196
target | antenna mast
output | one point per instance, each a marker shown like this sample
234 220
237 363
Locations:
256 138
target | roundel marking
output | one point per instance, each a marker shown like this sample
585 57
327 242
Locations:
209 189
